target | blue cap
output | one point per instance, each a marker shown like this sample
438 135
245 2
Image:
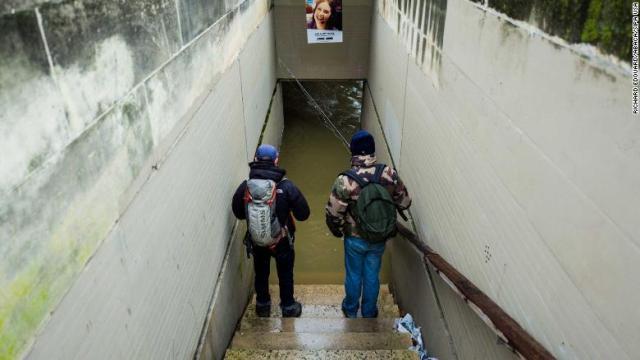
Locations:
266 152
362 143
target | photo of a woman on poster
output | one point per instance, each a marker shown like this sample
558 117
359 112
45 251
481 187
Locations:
324 21
324 16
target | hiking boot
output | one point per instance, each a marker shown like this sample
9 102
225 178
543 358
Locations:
344 312
293 310
374 315
263 309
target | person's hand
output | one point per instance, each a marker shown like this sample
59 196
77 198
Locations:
334 226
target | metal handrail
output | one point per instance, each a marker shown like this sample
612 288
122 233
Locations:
513 335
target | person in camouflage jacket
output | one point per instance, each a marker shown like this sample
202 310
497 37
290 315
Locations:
362 258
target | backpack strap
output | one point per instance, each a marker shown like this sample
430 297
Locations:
351 173
378 174
354 175
246 198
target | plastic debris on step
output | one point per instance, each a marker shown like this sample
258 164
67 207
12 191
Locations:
406 325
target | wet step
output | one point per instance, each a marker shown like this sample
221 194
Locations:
321 341
324 294
237 354
323 311
322 331
307 325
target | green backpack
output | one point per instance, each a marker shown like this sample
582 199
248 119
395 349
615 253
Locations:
374 211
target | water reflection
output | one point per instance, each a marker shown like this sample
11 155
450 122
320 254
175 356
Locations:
313 157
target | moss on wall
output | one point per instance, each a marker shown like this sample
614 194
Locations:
37 267
605 24
28 298
609 25
70 196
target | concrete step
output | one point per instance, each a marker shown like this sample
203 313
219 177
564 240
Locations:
321 341
324 294
306 325
237 354
323 311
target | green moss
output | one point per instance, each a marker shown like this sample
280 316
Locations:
609 27
26 303
605 24
28 298
590 30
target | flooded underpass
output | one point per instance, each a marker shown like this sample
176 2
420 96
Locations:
126 127
313 154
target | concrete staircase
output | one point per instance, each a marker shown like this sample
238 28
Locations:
321 332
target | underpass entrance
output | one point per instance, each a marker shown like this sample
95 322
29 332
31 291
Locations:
318 115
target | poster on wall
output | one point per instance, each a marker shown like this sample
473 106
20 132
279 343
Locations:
324 21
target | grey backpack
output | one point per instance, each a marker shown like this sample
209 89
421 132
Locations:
260 203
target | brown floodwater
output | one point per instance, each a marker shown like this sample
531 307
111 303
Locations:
313 156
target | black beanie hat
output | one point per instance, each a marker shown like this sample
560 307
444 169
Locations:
362 143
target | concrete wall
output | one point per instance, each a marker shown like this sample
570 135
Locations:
120 118
235 283
522 156
231 296
346 60
450 329
274 126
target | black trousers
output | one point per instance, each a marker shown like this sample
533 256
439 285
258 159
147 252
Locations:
285 256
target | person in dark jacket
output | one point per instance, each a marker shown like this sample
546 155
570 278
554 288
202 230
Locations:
290 203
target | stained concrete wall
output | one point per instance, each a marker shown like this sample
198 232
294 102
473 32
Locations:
120 118
521 154
346 60
450 328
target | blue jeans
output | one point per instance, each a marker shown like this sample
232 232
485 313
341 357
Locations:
362 261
